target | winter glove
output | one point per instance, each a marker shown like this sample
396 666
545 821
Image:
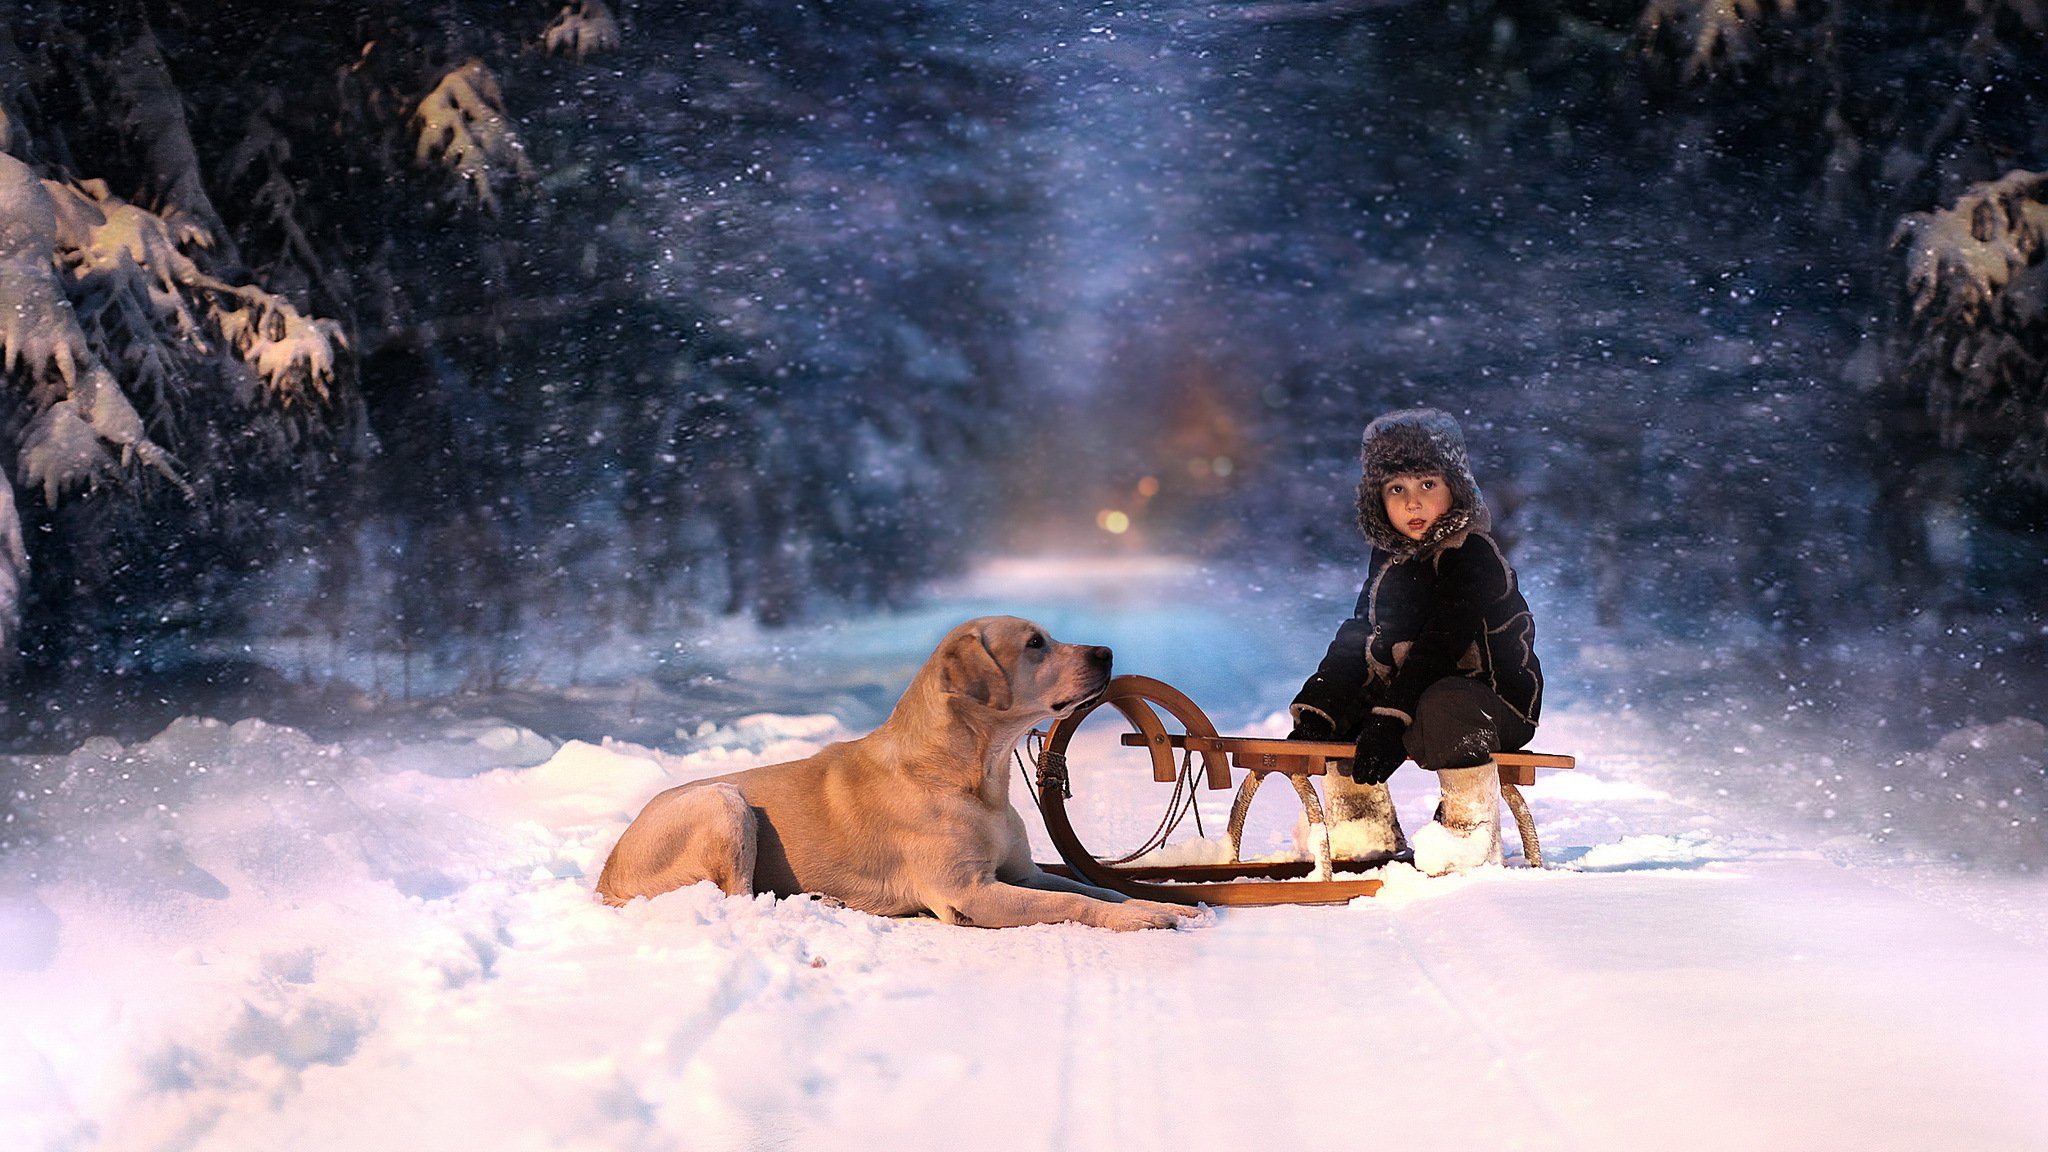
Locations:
1379 749
1312 725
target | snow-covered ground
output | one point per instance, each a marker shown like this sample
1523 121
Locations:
233 936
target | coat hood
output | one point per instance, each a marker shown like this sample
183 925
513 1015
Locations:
1409 442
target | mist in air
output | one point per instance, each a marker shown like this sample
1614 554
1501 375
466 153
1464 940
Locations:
432 430
515 356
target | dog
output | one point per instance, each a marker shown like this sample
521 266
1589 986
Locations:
914 817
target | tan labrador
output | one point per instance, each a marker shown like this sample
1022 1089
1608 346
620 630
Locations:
913 817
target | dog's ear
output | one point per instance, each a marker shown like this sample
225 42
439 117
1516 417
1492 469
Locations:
968 668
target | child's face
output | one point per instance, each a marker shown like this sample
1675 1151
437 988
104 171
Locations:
1415 502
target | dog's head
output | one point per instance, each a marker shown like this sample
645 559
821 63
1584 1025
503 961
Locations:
1008 664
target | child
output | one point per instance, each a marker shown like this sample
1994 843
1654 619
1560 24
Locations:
1438 660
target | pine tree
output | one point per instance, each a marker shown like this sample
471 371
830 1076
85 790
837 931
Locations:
427 320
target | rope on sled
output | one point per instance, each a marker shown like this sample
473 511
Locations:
1532 849
1017 754
1053 774
1177 809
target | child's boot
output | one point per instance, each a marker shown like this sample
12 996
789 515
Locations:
1363 825
1466 831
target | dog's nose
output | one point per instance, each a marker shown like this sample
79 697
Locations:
1100 655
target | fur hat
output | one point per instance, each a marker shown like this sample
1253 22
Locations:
1411 442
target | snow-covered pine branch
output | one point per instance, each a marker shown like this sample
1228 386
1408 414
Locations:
138 296
98 301
153 114
39 334
1960 259
1979 331
582 29
66 444
78 407
13 572
1713 33
292 352
463 124
258 166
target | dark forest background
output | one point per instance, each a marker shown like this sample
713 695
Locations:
471 320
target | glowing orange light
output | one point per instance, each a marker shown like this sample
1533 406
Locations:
1148 487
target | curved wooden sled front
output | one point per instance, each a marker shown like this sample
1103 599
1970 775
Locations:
1281 883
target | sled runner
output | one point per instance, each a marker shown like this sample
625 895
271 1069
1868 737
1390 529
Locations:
1140 699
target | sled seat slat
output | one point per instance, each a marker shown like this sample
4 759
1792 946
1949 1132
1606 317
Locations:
1312 757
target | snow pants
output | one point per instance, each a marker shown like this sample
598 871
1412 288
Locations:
1461 723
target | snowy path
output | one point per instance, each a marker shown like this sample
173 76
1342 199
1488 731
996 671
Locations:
1703 993
310 948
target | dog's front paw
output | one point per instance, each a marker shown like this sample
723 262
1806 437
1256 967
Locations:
1183 911
1135 915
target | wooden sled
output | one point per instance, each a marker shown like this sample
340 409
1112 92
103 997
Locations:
1140 698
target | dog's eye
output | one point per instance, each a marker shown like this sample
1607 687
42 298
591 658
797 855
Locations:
1036 641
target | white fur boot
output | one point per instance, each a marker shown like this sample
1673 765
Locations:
1363 825
1466 831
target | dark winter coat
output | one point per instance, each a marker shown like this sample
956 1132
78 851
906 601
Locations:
1445 605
